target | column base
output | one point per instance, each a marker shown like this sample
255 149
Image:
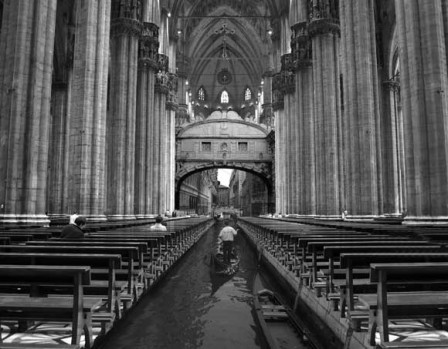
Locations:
120 217
425 220
59 219
95 218
40 220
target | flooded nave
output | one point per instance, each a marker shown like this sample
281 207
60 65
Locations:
192 308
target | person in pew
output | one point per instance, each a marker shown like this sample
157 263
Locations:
226 235
159 226
74 231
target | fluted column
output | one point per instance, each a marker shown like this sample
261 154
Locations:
121 126
58 152
26 58
361 108
280 172
424 91
288 88
170 170
149 46
88 110
324 32
304 145
159 132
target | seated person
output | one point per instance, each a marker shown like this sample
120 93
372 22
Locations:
159 226
74 231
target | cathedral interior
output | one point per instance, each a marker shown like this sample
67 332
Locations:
124 109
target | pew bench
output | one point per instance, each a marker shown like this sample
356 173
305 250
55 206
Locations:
75 309
385 305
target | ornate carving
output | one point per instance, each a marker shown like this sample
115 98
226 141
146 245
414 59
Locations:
171 102
125 26
127 9
182 115
162 62
149 46
301 46
161 85
323 17
267 116
183 65
277 92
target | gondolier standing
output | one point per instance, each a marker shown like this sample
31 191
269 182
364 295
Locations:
227 235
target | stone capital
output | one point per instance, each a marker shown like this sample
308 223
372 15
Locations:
301 46
125 26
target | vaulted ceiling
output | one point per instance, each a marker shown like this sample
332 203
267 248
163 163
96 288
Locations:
227 44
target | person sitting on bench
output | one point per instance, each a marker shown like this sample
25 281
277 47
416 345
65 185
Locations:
159 226
74 231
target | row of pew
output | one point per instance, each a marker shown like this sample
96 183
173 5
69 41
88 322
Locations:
370 276
90 283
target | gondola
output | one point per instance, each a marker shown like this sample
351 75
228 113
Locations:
279 325
222 268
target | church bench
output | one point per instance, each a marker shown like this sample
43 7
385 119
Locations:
385 305
109 289
333 252
128 254
75 309
304 241
315 248
352 285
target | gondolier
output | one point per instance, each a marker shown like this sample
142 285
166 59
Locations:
227 235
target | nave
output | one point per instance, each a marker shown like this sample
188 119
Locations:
335 274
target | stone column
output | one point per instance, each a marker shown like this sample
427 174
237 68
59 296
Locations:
424 91
159 132
171 108
58 152
88 110
361 108
280 173
304 145
26 59
149 46
288 87
125 32
324 32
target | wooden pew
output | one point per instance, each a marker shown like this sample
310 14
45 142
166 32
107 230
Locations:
108 289
128 254
350 261
318 247
75 309
385 305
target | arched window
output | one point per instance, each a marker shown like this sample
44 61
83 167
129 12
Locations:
247 94
224 97
201 94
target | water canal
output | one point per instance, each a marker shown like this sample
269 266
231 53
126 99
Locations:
191 308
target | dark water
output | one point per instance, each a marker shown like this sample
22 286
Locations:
193 308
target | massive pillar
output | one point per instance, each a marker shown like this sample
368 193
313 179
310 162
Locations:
424 91
361 108
125 32
86 184
26 58
304 141
324 32
149 46
170 171
159 136
58 152
280 175
290 128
